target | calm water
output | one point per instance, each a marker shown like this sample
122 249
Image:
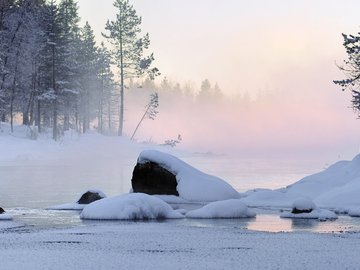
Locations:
27 187
39 184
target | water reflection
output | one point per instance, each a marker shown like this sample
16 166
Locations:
266 221
298 224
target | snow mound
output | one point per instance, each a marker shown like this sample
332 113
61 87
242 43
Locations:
192 184
303 204
67 206
5 216
337 186
319 214
354 212
172 199
232 208
133 206
269 198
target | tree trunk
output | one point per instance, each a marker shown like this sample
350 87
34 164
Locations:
67 113
109 116
55 110
38 116
100 114
12 97
121 111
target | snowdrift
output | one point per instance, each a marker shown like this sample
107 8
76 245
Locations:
336 187
5 216
232 208
133 206
192 184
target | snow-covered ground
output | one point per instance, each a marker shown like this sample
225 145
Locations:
148 245
337 187
186 243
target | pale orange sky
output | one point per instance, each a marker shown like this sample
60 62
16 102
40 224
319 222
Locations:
278 46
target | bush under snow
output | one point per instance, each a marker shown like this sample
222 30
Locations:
192 184
232 208
131 206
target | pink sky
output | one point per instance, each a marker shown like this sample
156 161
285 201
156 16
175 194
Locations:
287 48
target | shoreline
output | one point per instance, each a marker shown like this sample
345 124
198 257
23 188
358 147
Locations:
165 245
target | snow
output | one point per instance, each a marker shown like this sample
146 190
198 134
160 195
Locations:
131 206
269 198
67 206
232 208
172 199
320 214
304 204
193 185
354 212
336 187
169 245
5 216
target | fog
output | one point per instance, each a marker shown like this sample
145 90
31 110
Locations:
282 123
274 62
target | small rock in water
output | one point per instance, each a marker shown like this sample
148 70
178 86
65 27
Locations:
2 211
303 206
151 178
89 197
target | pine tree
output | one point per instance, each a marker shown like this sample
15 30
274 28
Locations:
351 69
106 95
88 63
67 54
123 34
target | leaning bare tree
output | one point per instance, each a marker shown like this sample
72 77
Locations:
150 112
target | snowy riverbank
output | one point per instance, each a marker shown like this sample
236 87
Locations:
38 174
130 245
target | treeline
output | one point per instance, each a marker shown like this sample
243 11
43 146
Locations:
52 73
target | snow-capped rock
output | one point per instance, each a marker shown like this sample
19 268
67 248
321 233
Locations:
131 206
87 197
192 184
303 205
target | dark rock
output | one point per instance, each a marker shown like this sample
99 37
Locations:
297 211
2 210
151 178
89 197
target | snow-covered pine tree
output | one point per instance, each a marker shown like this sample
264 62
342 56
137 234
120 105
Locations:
20 38
128 49
67 61
88 79
106 90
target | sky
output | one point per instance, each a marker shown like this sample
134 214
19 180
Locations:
285 48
